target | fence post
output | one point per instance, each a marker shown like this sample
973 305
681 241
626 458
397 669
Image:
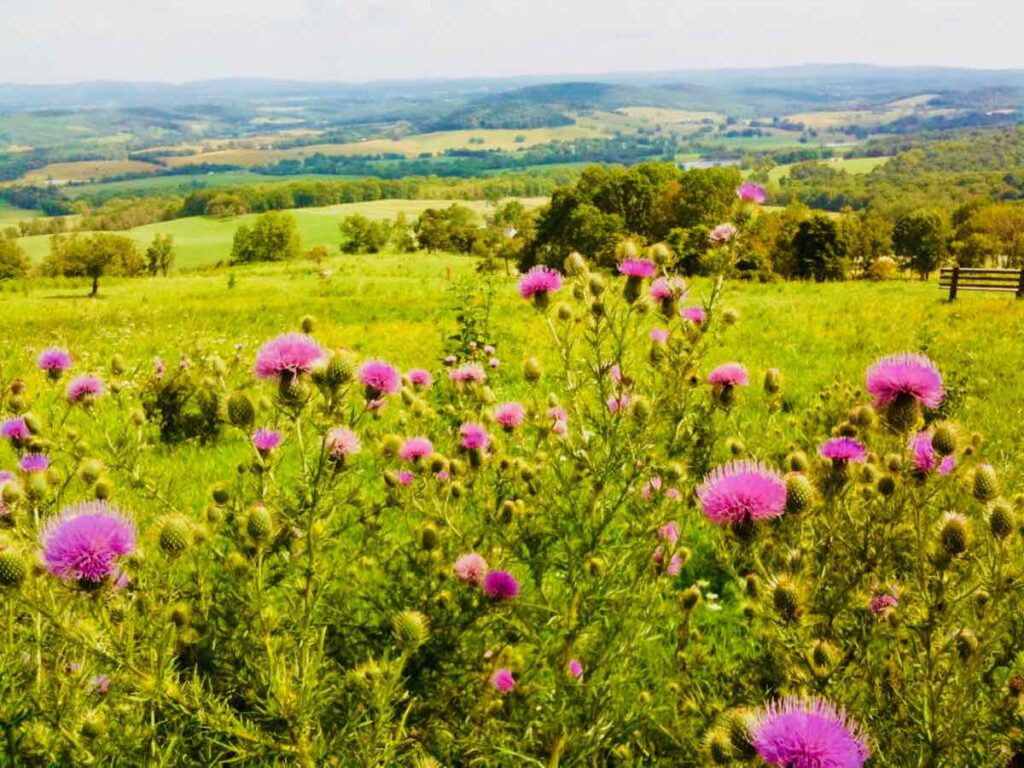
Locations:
1020 285
953 283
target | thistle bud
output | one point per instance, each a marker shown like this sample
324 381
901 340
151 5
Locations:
798 492
886 485
220 494
966 644
902 414
944 440
786 599
596 285
91 471
32 422
564 312
751 585
772 381
575 264
307 324
12 493
689 598
532 370
179 614
427 535
953 534
1001 519
641 408
730 316
411 630
390 445
986 485
863 416
719 748
735 446
259 523
241 413
797 461
117 365
175 535
13 568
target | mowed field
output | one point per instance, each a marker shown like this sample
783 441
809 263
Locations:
396 305
89 170
204 241
849 164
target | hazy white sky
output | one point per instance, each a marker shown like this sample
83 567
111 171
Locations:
70 40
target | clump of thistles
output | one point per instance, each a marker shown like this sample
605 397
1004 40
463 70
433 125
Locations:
86 541
538 284
470 372
288 356
800 733
742 492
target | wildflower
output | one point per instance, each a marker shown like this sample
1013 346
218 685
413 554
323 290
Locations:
84 543
801 733
471 568
405 477
924 458
638 268
503 681
843 449
266 440
84 389
473 436
576 668
749 192
883 604
741 492
158 368
723 233
420 378
695 315
342 442
470 372
16 430
615 404
415 448
659 335
500 585
494 362
54 361
509 415
560 421
724 379
538 284
287 356
34 462
379 378
99 685
902 384
669 532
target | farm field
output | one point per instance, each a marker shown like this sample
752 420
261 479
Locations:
204 241
848 164
88 170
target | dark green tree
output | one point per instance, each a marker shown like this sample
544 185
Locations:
819 250
160 255
273 237
13 262
921 240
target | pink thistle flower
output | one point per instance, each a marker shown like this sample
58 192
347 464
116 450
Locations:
16 430
883 604
800 733
34 462
742 491
576 668
405 477
420 378
669 532
500 585
905 375
473 436
158 368
668 288
85 541
675 564
489 349
729 375
924 458
503 681
468 372
415 448
947 465
509 415
843 449
494 362
695 315
342 442
287 356
749 192
659 335
84 389
539 283
266 440
379 378
616 404
451 360
54 361
99 685
471 568
723 233
639 269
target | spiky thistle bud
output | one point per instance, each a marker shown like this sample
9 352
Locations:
903 413
772 381
564 312
966 644
689 597
944 439
986 484
179 614
241 413
1001 518
411 630
102 489
737 726
425 761
886 485
175 535
786 599
220 494
798 492
797 461
532 370
259 523
953 534
427 535
863 416
596 285
13 568
735 446
91 471
307 324
575 264
718 747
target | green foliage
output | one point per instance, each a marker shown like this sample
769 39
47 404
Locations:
160 255
819 250
13 262
362 235
274 237
921 239
451 229
93 256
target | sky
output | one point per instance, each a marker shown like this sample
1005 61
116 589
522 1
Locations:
48 41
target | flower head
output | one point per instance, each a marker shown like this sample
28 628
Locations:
342 442
503 681
638 268
749 192
288 356
85 541
659 335
843 449
415 448
729 375
742 491
54 361
266 440
84 388
799 733
668 288
723 233
500 585
907 375
510 415
379 378
405 477
473 436
883 604
34 462
576 668
99 685
695 315
540 280
16 429
420 378
468 372
471 568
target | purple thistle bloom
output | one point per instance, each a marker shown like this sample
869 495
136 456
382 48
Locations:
797 733
16 429
341 442
510 415
420 378
883 604
539 280
288 355
99 685
415 448
576 668
54 361
379 378
405 477
751 193
695 315
905 374
471 568
84 388
659 335
924 457
468 372
266 440
5 477
500 585
723 233
638 269
85 541
729 375
843 449
947 465
668 288
34 462
742 491
503 681
474 437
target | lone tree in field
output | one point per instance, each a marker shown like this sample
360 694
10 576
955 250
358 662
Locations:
274 237
819 250
360 234
920 239
94 256
160 255
13 262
